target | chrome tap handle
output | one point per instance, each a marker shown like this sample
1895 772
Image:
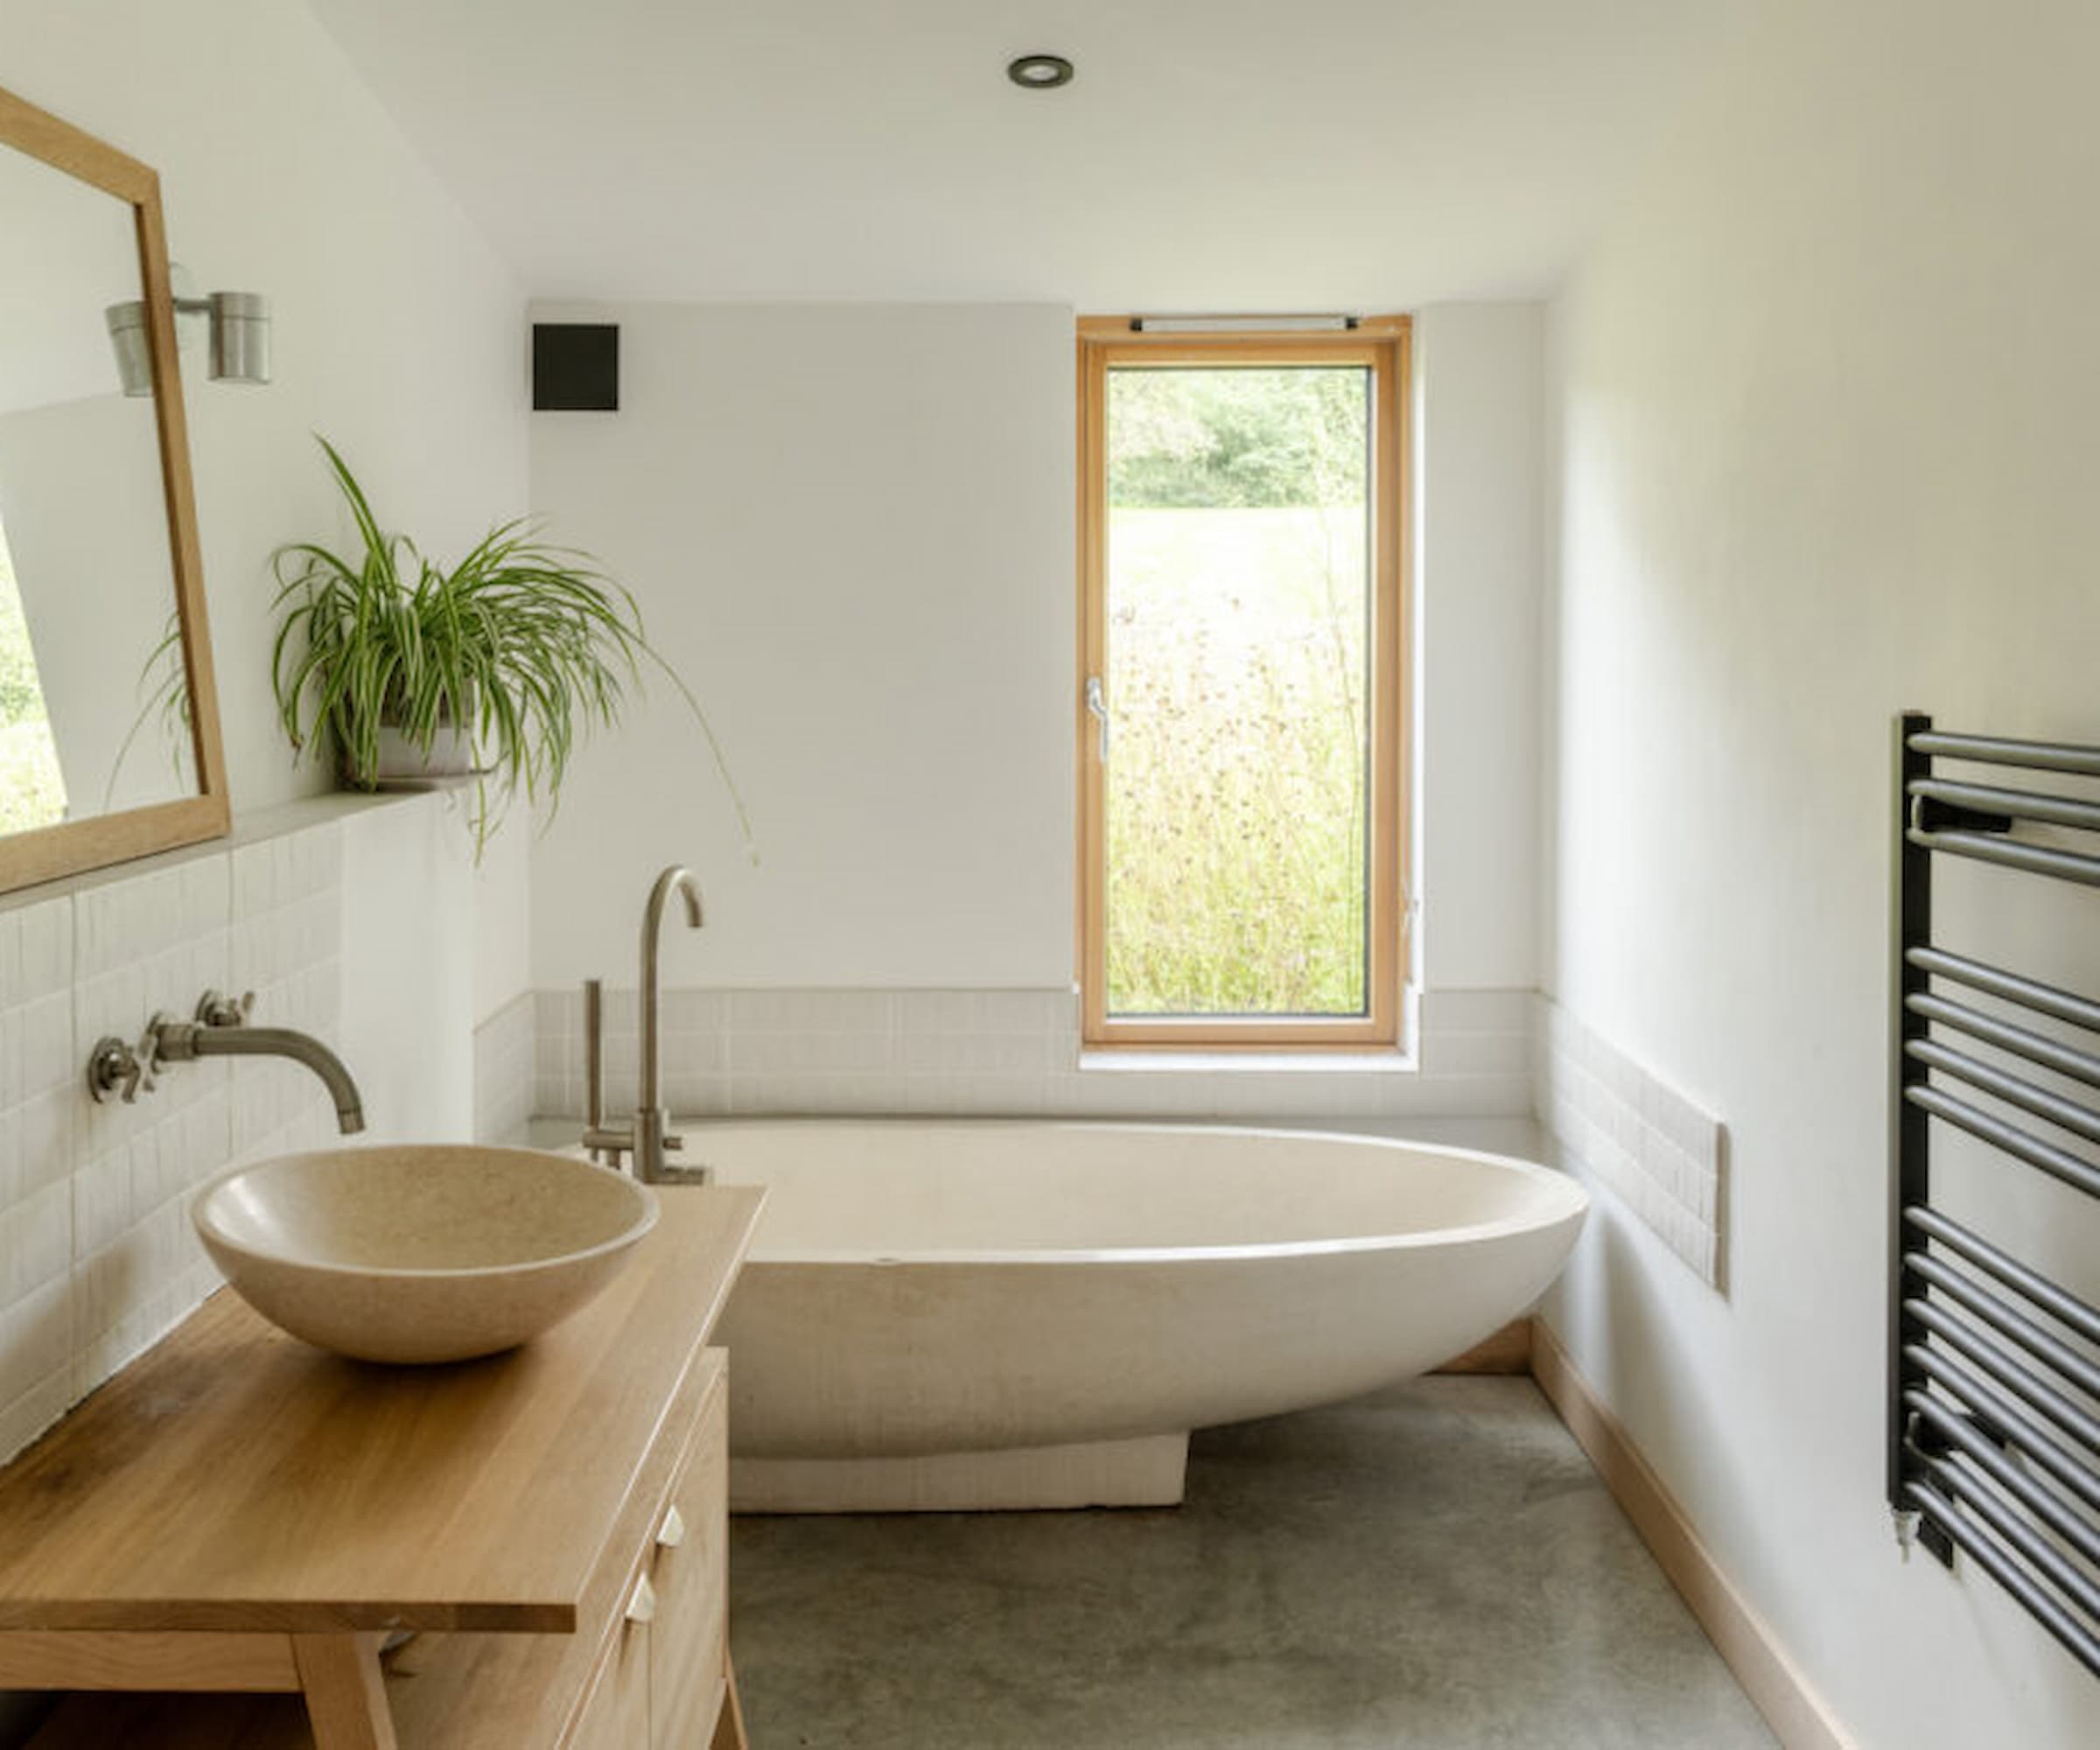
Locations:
113 1068
148 1052
1097 708
216 1009
117 1070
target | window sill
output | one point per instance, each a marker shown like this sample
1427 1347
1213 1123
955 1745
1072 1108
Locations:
1370 1060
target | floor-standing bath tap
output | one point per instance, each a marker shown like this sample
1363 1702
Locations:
647 1137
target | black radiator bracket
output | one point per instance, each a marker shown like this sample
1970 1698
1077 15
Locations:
1934 815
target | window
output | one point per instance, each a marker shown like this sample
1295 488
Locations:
1241 591
33 790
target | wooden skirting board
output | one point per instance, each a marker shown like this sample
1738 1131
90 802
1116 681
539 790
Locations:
1797 1714
1508 1351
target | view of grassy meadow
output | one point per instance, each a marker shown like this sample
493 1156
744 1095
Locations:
31 792
1239 577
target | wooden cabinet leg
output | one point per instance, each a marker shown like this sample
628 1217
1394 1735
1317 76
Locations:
729 1727
346 1695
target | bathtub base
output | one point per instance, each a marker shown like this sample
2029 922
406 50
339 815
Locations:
1143 1472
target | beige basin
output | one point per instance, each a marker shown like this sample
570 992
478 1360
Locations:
429 1253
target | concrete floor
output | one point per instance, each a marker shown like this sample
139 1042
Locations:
1434 1566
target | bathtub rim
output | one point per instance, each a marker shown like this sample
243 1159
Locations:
1566 1198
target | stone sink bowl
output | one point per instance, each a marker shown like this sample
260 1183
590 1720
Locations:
427 1253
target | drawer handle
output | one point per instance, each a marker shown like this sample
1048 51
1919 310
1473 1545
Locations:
642 1606
671 1533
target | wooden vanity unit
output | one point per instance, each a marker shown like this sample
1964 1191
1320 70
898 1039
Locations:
239 1512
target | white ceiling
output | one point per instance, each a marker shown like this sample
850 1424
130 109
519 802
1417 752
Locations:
1212 154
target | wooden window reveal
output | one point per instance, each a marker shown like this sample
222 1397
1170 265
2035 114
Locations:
1243 605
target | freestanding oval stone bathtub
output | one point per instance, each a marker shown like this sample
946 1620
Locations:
965 1314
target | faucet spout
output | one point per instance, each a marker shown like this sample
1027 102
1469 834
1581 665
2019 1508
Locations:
650 1119
183 1041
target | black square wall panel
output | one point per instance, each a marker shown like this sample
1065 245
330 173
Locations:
576 368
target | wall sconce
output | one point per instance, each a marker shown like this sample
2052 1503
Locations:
239 326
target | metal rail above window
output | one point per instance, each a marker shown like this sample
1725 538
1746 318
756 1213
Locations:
1993 1369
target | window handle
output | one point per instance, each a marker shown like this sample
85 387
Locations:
1097 707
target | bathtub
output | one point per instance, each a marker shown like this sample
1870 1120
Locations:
952 1314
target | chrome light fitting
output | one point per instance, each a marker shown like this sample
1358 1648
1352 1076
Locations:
1040 71
239 330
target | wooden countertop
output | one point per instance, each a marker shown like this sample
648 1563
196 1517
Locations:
236 1479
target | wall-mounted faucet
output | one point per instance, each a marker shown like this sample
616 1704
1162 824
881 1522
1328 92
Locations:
647 1138
220 1029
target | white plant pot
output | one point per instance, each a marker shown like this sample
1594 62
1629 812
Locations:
402 759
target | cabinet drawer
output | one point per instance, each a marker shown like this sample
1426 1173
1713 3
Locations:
617 1715
689 1566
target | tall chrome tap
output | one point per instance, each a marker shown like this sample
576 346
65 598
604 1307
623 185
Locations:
647 1138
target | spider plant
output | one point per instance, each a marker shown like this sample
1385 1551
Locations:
522 645
165 692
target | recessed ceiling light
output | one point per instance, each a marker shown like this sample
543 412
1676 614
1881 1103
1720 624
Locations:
1040 71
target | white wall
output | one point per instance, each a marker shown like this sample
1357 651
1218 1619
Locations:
1478 384
408 997
503 919
399 334
1822 446
851 527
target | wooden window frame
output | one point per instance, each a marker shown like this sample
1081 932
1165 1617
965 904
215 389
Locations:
1383 345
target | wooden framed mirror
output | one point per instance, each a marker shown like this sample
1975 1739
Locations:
109 742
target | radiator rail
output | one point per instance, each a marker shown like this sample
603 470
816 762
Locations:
1993 1411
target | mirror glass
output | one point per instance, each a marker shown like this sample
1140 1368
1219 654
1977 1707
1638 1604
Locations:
94 711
